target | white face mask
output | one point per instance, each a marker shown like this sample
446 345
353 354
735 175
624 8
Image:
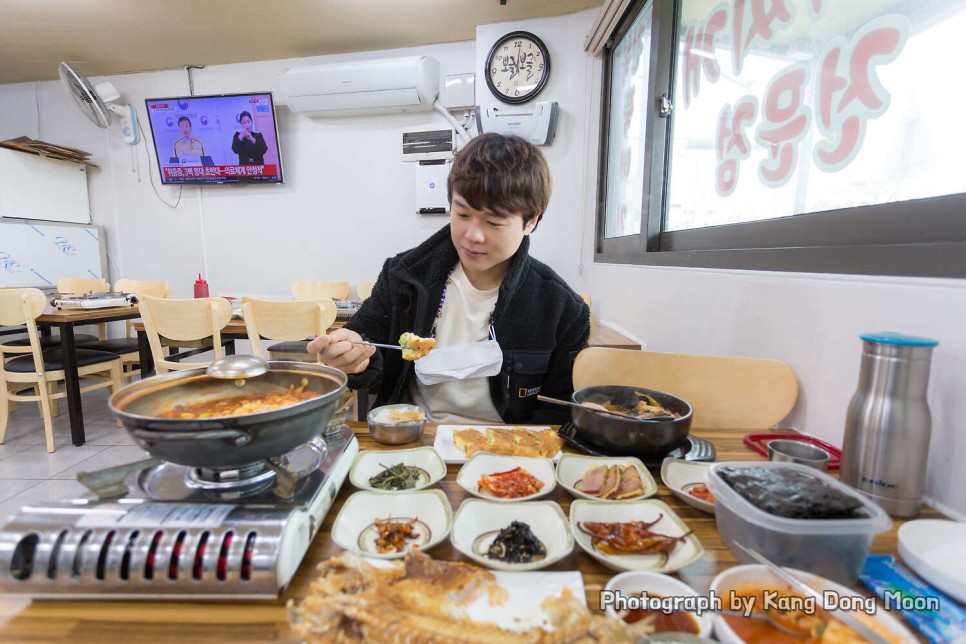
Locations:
475 360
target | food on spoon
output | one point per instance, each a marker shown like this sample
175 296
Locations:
516 543
398 477
611 482
630 538
791 494
415 347
511 484
701 492
393 534
512 441
239 405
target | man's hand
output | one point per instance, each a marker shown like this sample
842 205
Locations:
336 350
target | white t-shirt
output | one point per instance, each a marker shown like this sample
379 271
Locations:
465 318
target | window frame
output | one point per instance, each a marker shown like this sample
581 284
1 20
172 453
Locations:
915 238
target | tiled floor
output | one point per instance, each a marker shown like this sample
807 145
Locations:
28 474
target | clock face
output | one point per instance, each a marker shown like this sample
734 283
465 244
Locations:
517 67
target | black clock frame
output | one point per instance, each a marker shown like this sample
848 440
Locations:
517 100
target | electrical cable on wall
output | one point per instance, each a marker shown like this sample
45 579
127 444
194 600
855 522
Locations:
153 187
461 132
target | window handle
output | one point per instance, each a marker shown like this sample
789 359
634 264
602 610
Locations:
665 107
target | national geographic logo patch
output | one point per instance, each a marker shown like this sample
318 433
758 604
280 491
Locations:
526 393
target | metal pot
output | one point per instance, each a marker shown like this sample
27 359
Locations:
645 438
230 441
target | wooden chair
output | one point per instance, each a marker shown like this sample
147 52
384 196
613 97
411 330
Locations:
741 393
127 347
307 290
25 368
184 321
287 320
364 290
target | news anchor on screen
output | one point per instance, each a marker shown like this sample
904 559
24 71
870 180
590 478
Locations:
188 145
249 146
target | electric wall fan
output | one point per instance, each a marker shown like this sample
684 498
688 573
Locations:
98 102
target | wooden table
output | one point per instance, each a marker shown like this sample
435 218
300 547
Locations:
111 621
66 320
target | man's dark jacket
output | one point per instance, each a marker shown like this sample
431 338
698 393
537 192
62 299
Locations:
540 323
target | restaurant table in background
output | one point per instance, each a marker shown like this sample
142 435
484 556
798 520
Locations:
266 621
65 321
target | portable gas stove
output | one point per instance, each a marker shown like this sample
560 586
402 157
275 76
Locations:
179 532
92 300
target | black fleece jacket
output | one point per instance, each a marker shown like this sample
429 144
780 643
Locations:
540 323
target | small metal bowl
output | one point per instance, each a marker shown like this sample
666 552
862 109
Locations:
384 429
790 451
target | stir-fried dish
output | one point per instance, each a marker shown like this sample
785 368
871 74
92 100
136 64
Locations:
511 484
415 347
516 543
646 408
392 535
241 405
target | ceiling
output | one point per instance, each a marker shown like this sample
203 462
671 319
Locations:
104 37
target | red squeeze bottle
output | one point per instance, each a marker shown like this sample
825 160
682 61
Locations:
201 287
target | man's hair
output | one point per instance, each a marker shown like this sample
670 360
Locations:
504 174
243 115
184 118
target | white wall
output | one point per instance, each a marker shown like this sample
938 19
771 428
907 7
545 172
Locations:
348 203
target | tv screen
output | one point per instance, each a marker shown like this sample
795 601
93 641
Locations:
229 138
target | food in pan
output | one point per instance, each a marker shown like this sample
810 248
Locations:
398 477
516 543
701 492
514 441
415 347
791 494
393 534
241 405
511 484
424 599
647 408
629 538
611 482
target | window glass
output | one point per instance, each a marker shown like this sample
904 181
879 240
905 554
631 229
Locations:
784 107
626 145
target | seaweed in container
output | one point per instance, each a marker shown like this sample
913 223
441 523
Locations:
791 494
516 543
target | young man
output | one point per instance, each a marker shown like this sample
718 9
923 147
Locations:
472 276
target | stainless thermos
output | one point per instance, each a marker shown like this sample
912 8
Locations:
888 424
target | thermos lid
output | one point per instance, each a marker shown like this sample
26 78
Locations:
899 339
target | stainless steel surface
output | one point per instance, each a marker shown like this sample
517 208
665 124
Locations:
109 482
381 346
191 544
798 452
887 427
803 587
390 433
647 439
229 441
237 366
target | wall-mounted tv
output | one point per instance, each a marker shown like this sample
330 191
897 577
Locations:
228 138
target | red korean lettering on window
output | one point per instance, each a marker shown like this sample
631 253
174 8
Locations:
755 21
784 121
731 142
699 53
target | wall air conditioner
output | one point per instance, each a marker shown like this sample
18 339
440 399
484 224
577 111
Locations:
407 84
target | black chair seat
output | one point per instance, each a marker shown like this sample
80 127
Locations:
54 360
115 345
293 346
53 341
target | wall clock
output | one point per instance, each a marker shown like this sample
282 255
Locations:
517 67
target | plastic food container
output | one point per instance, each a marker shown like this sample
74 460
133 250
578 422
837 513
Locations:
832 548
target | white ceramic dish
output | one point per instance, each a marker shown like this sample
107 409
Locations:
572 467
754 574
370 463
478 521
353 528
637 582
934 549
686 552
680 476
485 463
450 453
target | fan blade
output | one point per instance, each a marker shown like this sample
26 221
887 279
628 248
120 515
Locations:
84 95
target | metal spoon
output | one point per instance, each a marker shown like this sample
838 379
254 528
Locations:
236 367
625 416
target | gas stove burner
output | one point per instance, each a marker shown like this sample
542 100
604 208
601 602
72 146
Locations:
694 449
228 478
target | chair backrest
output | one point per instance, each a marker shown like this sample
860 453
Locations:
183 320
739 393
286 319
364 289
307 290
586 298
143 287
82 285
21 306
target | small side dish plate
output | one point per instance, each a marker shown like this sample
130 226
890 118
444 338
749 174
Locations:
685 552
368 464
482 463
682 476
450 453
479 521
354 528
571 468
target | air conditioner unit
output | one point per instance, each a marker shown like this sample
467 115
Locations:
369 87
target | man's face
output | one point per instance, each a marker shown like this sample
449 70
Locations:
485 241
185 128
